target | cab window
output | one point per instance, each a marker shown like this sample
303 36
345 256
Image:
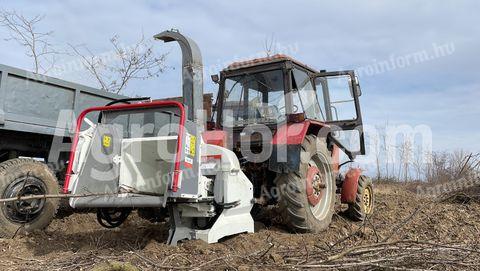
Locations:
305 95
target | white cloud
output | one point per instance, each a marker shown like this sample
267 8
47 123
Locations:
441 93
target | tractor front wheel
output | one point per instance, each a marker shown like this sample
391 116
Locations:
364 200
307 197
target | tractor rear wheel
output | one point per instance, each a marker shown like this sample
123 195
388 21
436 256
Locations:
307 197
25 177
364 200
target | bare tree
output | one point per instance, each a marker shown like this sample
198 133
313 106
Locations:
418 162
428 167
386 150
114 70
376 142
383 148
405 155
24 31
269 45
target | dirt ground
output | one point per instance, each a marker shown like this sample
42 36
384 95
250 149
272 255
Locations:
406 232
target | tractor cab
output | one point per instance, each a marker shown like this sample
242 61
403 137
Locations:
276 90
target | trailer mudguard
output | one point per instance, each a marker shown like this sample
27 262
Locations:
350 185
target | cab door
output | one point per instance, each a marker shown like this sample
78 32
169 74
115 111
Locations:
338 95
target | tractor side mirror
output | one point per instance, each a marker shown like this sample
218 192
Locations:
357 83
350 86
215 78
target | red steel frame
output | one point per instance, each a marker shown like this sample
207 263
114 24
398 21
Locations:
176 173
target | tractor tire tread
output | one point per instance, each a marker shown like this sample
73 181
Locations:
293 202
355 210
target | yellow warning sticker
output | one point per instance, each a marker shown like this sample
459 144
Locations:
106 141
190 145
193 141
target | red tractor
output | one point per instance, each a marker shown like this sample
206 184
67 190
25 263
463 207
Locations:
287 123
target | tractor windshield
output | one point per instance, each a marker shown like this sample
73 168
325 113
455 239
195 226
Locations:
254 98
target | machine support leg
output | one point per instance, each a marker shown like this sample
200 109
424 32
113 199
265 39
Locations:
180 229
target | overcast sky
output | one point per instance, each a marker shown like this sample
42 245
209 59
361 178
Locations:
386 41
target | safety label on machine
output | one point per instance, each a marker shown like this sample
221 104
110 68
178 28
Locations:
190 145
106 141
188 161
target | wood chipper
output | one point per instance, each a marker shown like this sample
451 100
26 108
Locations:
151 155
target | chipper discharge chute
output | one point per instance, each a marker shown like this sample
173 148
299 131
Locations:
151 155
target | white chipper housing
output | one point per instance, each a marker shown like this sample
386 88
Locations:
152 155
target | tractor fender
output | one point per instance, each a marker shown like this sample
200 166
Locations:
287 142
350 185
215 137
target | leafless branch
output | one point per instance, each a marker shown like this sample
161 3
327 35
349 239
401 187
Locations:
56 196
24 31
114 70
269 45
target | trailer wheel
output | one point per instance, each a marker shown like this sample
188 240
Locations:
23 177
364 200
307 197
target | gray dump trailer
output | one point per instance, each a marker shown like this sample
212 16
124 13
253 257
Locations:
30 106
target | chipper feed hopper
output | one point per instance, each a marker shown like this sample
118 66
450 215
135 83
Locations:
151 155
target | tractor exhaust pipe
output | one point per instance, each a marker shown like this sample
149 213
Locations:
192 74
